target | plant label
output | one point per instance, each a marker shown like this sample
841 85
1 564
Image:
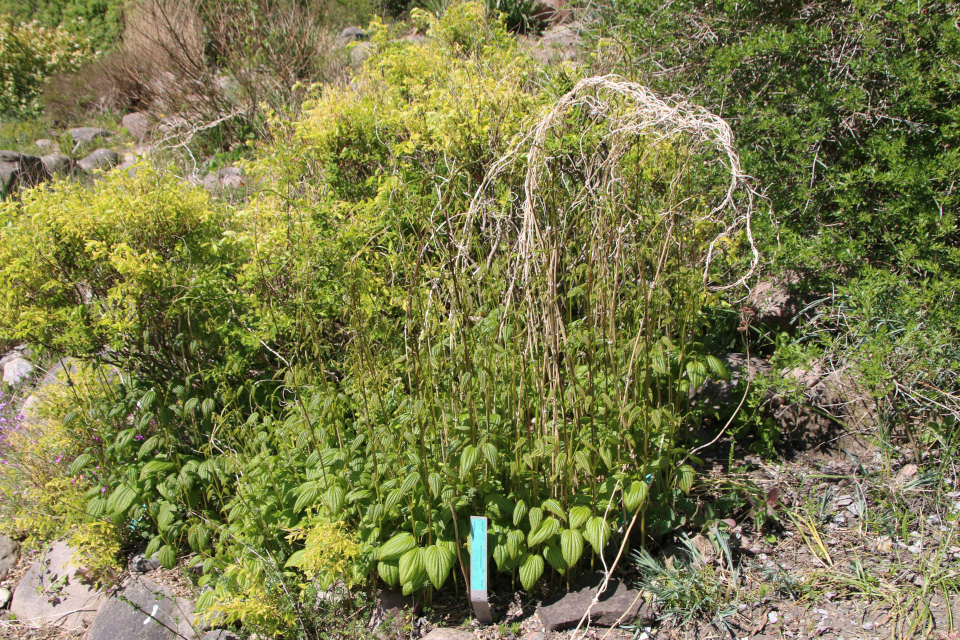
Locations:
478 569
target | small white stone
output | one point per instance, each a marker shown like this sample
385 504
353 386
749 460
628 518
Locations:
772 617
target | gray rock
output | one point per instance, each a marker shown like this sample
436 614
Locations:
558 43
141 564
20 171
143 610
389 611
5 596
412 38
231 177
536 635
225 178
101 159
16 371
88 134
58 372
351 34
449 634
564 612
50 594
773 305
9 556
220 634
361 52
29 408
58 164
44 143
138 124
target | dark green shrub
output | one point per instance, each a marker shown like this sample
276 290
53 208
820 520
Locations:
847 112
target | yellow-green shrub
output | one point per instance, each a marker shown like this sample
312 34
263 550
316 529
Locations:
136 264
31 53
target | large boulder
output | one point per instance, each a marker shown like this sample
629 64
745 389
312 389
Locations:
560 42
617 605
101 159
87 135
143 610
138 124
351 34
16 370
60 165
20 170
51 594
9 555
389 611
826 413
773 304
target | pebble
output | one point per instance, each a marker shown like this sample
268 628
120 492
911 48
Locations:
868 626
772 617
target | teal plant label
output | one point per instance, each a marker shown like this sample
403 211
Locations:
478 569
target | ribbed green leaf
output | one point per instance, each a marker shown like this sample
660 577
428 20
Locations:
636 495
207 407
438 562
147 400
555 558
571 545
334 498
536 515
515 540
518 512
547 528
554 507
155 467
167 557
717 368
468 460
149 446
308 495
597 533
685 476
393 499
410 481
411 565
501 555
397 546
389 572
579 515
155 543
79 463
490 453
696 373
96 507
121 500
531 568
166 517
